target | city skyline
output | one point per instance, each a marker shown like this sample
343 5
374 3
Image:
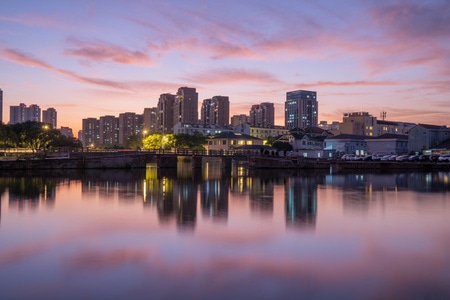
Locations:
106 58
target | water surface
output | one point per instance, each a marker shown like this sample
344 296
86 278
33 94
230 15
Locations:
164 234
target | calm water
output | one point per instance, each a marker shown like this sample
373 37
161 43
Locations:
164 234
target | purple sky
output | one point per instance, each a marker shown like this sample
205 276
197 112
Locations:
95 58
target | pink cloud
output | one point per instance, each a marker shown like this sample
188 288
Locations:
99 51
226 76
413 20
35 20
20 57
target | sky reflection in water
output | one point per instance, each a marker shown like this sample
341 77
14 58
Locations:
190 233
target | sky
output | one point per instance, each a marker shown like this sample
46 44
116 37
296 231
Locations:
89 58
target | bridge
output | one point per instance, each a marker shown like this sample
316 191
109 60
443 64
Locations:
119 159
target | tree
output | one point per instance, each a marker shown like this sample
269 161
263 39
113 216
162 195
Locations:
153 141
269 141
282 146
159 141
34 135
8 138
194 142
134 142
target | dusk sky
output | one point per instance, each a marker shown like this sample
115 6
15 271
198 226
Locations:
95 58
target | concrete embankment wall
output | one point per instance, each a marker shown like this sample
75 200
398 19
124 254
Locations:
386 166
124 161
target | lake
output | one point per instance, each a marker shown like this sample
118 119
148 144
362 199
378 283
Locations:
208 233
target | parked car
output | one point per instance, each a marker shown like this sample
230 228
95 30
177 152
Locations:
392 157
413 158
424 157
434 157
444 157
367 157
402 158
376 156
386 157
347 156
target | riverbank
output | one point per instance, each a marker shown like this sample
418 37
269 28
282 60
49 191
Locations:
261 162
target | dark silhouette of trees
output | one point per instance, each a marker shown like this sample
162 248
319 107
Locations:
34 135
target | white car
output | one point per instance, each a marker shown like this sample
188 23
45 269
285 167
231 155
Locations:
402 158
444 157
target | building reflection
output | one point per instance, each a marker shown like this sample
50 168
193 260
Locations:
301 201
175 195
261 195
126 184
214 192
240 181
29 192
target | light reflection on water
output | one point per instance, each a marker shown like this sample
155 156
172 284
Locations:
203 233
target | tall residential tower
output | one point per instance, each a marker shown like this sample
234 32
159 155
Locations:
186 106
301 109
49 116
216 111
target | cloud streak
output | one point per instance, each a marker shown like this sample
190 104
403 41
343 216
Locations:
98 51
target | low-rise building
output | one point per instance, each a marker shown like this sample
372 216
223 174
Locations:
308 142
346 144
424 136
207 130
231 141
388 144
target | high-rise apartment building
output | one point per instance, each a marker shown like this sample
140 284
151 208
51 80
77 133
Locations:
91 133
150 121
166 113
186 106
49 117
262 115
237 120
301 109
216 111
108 131
66 131
1 106
23 113
129 124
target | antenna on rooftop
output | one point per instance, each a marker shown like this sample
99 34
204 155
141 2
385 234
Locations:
383 115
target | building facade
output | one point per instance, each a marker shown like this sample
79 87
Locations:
108 131
358 123
23 113
231 141
216 111
426 136
239 120
180 128
264 132
166 113
262 115
49 116
130 124
388 143
150 121
363 123
186 106
301 109
66 131
91 133
346 144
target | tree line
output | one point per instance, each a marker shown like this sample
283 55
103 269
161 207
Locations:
35 136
